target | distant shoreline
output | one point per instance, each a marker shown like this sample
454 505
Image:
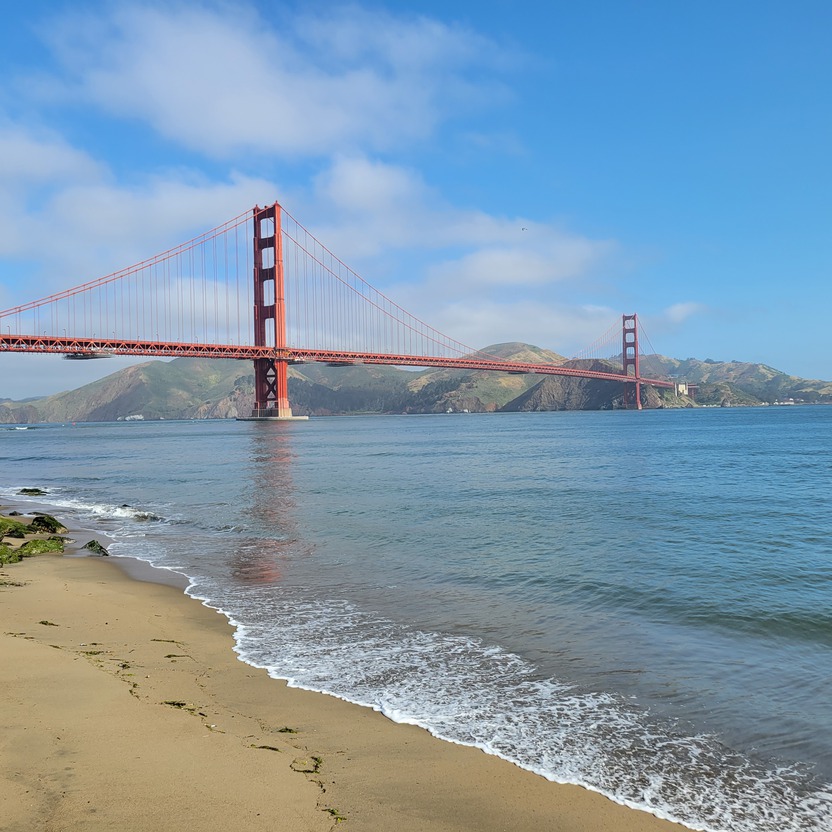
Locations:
223 388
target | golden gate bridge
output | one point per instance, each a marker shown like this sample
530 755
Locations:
261 287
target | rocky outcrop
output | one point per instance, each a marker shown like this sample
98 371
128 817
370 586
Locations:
565 393
46 523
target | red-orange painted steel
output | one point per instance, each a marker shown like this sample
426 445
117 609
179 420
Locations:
271 379
629 358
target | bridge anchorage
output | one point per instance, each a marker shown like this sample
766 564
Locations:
262 288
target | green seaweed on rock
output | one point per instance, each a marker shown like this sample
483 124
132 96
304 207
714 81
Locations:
40 547
46 523
12 528
9 555
28 550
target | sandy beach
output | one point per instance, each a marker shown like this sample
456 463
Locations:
125 707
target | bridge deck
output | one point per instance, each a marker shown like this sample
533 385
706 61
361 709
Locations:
90 347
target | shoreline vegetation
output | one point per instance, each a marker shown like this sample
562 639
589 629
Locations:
125 707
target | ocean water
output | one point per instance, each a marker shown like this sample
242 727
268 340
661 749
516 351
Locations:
640 603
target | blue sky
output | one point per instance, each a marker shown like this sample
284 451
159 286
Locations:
665 158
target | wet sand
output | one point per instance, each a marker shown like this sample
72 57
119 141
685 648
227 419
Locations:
124 707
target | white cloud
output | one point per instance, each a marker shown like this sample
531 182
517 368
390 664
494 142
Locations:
680 312
363 207
559 327
29 157
222 80
127 223
365 187
370 208
460 270
32 164
85 224
556 257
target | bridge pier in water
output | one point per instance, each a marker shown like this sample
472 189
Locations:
271 376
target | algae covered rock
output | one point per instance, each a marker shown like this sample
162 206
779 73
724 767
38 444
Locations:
97 548
32 492
46 523
28 550
12 528
40 547
9 555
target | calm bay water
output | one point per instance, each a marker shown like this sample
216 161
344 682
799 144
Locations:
637 602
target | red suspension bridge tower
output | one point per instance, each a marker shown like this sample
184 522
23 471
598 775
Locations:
629 358
271 378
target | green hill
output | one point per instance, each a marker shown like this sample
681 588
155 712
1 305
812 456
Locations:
437 391
192 388
738 382
183 388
